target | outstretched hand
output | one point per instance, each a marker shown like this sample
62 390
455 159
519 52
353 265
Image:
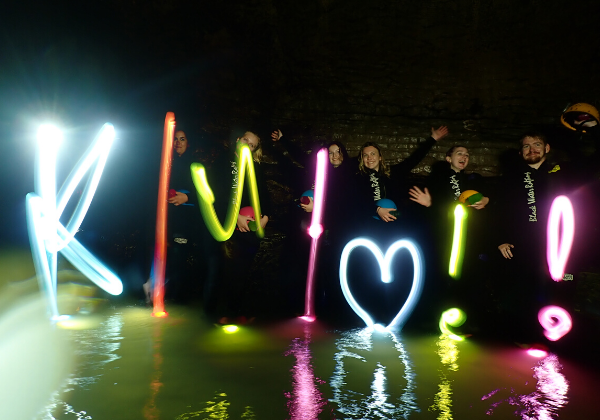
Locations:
421 197
276 135
505 250
440 133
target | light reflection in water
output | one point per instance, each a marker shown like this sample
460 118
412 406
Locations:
217 409
150 410
306 402
377 405
95 348
447 349
548 398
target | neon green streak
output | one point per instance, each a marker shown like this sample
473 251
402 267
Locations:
455 318
458 242
206 198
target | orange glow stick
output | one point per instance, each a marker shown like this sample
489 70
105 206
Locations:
160 241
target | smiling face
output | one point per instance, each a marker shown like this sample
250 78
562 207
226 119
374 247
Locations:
251 140
371 158
533 150
180 143
458 159
335 155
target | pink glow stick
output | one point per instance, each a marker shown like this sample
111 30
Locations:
315 230
558 254
556 322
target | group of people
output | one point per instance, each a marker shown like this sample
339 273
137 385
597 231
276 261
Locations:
505 270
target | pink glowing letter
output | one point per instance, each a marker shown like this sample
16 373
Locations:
558 254
556 322
315 231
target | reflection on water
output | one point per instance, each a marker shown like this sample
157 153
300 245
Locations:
447 349
217 409
94 349
132 366
377 405
548 398
305 401
150 410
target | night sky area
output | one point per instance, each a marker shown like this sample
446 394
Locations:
308 64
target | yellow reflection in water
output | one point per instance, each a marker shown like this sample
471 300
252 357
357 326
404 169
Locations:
447 350
216 409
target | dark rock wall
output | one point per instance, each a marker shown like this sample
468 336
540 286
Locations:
383 71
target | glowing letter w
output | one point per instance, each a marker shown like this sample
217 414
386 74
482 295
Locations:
206 198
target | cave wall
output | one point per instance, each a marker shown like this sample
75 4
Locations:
383 71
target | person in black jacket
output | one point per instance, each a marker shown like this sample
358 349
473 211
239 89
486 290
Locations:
184 228
375 181
228 300
300 170
384 222
447 182
528 192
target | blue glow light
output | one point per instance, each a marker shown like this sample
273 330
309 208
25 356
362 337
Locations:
386 277
47 235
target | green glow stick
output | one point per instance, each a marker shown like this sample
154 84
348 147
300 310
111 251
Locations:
206 197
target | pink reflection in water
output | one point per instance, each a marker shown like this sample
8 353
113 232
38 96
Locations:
306 402
548 398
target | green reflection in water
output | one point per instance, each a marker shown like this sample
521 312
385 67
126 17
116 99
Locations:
447 350
216 409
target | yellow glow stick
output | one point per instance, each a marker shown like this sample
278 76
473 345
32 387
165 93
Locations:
206 197
458 242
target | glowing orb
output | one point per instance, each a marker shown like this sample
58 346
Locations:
44 207
558 250
230 329
386 277
556 322
458 242
206 197
455 318
539 353
315 230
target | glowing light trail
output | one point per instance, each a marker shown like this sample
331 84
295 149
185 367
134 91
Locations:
556 322
453 317
315 230
386 277
160 239
206 198
557 255
44 208
458 242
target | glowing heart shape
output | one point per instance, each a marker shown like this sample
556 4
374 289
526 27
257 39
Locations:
386 277
556 322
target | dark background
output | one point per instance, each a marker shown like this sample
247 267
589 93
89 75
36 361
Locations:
357 71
